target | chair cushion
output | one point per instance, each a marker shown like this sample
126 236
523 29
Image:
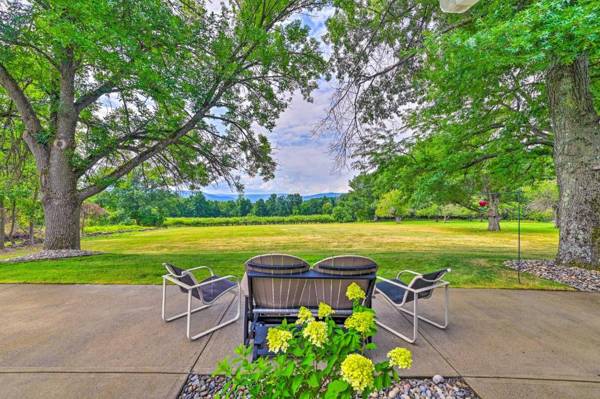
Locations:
346 265
393 292
210 292
277 264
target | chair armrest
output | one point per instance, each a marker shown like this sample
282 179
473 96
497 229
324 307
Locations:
170 277
441 283
407 271
191 287
228 277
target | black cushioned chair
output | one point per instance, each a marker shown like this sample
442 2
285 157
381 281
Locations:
207 291
421 287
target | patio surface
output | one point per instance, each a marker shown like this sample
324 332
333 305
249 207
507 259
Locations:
103 341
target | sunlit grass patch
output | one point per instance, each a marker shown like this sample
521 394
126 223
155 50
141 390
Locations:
474 254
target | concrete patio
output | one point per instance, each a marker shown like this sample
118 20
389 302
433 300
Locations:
95 341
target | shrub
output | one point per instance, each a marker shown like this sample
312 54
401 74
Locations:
249 220
316 358
114 228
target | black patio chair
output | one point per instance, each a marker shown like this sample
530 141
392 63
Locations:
207 291
421 287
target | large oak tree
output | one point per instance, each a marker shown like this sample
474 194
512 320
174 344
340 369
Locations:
524 75
105 86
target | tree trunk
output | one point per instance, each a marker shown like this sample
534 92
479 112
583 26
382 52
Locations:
61 204
31 232
577 163
2 226
493 213
60 198
13 222
61 214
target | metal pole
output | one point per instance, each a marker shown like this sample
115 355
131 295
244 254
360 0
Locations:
519 236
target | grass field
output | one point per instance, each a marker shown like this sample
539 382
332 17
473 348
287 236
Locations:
474 254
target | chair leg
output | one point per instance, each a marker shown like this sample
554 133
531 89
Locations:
429 321
218 326
246 338
179 315
410 340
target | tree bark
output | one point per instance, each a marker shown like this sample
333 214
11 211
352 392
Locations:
556 217
62 223
61 203
493 212
13 222
577 162
2 221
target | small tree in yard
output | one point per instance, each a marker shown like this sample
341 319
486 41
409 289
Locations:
104 86
392 204
89 210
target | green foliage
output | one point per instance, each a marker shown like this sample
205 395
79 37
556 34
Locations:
248 220
392 204
459 107
542 201
315 359
133 200
359 203
112 229
168 84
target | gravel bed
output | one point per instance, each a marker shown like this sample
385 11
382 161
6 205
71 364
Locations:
576 277
438 387
51 254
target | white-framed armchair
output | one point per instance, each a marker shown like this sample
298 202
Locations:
207 291
421 287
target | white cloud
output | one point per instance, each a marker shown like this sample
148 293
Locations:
304 162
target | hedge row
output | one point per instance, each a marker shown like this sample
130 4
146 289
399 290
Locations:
113 228
249 220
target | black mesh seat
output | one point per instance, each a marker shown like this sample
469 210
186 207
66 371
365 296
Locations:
394 293
211 292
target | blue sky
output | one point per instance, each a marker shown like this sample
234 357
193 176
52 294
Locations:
304 163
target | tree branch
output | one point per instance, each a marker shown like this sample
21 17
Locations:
28 115
91 97
148 153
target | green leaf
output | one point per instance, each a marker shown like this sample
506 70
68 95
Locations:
335 388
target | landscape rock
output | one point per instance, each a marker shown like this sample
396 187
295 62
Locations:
206 387
51 254
576 277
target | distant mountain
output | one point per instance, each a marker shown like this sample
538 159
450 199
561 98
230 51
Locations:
321 195
255 197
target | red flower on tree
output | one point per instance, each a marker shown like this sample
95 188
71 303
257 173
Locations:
483 203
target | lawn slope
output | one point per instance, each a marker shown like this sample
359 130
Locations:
474 254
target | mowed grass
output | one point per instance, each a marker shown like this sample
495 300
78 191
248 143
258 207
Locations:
474 254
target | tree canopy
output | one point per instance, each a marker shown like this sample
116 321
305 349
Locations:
103 87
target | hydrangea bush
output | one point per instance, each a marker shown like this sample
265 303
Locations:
315 358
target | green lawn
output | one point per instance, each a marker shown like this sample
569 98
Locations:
474 254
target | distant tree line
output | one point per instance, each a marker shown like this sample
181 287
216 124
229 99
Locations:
134 201
139 201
